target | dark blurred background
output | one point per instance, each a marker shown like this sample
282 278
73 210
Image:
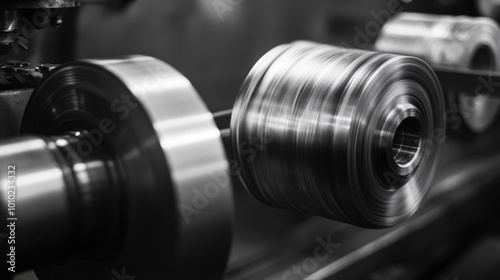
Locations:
216 55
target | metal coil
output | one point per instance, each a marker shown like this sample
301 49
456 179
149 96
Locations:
450 41
343 134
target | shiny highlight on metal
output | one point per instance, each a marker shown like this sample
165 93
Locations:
344 134
114 150
461 41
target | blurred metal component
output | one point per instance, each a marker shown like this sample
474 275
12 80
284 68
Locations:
467 80
12 105
19 74
10 28
17 80
344 134
465 42
489 8
9 20
127 146
38 4
21 19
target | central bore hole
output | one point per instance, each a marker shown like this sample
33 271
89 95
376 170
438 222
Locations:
406 141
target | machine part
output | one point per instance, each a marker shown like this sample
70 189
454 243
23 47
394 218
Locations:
38 4
20 20
10 29
345 134
124 171
17 80
464 42
19 74
9 20
12 106
489 8
462 79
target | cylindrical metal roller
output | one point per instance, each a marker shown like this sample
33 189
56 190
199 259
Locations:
456 42
124 173
345 134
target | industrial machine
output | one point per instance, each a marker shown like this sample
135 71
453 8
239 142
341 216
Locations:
249 140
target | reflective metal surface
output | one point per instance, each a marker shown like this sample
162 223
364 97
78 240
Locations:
9 20
12 105
451 41
460 209
38 4
135 132
344 134
41 198
490 8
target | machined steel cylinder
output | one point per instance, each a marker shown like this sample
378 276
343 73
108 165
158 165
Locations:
345 134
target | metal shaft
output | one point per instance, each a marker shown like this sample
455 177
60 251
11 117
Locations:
62 202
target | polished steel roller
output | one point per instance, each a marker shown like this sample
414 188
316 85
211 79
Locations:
121 170
463 42
344 134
